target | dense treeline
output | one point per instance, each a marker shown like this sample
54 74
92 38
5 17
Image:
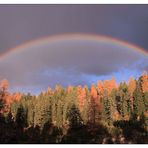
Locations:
103 113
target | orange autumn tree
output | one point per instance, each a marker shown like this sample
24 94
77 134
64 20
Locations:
81 97
114 83
100 95
93 104
94 93
110 85
49 91
110 88
17 96
5 95
100 89
69 88
4 85
144 82
131 86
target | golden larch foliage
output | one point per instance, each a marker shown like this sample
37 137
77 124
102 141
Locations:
131 86
116 116
94 93
113 82
110 85
49 90
17 96
145 82
7 97
58 88
4 84
81 96
100 88
9 100
70 88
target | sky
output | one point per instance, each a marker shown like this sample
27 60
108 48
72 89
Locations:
72 61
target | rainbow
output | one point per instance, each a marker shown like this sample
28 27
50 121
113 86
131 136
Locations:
83 36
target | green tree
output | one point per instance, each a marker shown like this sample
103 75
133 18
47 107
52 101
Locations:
74 117
21 117
106 113
139 105
42 110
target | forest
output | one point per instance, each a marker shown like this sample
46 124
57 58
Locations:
104 113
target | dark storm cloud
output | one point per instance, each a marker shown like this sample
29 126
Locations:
68 62
76 62
21 23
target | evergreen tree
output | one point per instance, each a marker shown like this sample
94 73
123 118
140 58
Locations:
139 106
106 108
42 111
21 117
74 117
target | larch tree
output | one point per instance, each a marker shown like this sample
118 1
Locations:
100 89
81 96
5 97
109 85
144 85
4 85
93 104
100 94
144 82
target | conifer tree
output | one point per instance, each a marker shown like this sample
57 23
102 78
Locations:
106 113
131 89
139 105
42 111
93 105
74 117
21 117
122 100
144 82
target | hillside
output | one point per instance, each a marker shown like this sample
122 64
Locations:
104 113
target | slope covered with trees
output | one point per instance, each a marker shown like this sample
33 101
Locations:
103 113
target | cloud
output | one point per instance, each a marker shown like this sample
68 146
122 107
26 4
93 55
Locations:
21 23
69 62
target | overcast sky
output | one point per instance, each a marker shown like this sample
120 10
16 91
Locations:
23 23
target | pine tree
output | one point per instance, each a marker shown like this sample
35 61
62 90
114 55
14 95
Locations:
42 110
21 117
114 113
70 99
74 117
131 89
122 100
30 105
57 95
106 113
139 106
